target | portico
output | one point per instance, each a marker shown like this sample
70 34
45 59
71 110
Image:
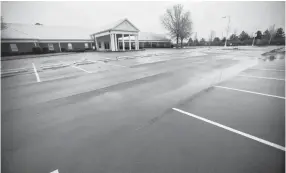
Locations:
108 38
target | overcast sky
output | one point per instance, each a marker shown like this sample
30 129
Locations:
206 16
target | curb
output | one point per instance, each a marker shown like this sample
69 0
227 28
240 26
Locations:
7 58
14 73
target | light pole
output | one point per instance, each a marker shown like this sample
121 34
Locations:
254 35
227 29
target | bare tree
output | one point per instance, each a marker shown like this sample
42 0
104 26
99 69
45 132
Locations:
177 22
186 27
211 36
272 32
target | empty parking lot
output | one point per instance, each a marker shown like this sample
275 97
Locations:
146 114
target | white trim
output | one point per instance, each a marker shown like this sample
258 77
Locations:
86 46
14 47
252 92
232 130
51 46
70 46
128 22
65 41
115 32
124 32
18 41
101 34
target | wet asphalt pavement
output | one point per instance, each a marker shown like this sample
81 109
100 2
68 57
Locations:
123 121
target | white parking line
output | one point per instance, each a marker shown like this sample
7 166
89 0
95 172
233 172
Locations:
107 63
55 171
198 62
80 69
232 130
270 78
252 92
36 73
266 69
77 67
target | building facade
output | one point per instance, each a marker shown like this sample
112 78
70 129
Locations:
24 38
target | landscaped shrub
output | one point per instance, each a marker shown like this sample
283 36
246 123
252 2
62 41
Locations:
278 41
262 42
46 50
37 50
63 49
78 50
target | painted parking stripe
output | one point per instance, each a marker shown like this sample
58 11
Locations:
106 63
198 62
270 78
55 171
267 69
77 67
252 92
80 69
36 73
232 130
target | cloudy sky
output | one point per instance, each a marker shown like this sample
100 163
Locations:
206 16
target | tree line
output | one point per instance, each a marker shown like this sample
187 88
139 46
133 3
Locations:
270 36
179 24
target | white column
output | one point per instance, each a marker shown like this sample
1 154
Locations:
129 42
136 43
123 44
60 47
96 43
111 42
114 42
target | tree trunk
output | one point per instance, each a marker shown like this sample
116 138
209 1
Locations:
181 43
270 40
177 41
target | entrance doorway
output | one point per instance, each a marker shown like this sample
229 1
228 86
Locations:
106 45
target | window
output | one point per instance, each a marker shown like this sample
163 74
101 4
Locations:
51 46
86 45
69 46
14 47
